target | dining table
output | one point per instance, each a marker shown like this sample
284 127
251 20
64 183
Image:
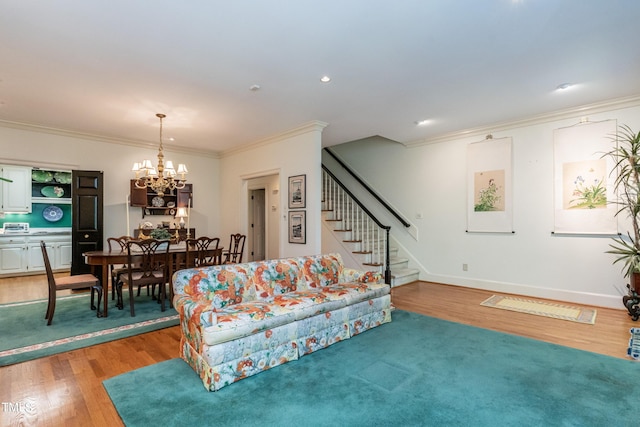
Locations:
105 258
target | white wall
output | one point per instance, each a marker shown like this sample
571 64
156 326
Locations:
294 153
430 180
33 148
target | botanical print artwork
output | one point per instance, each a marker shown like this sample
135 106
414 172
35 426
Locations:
490 186
489 195
584 185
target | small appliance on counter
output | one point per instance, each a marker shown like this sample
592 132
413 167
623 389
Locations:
15 228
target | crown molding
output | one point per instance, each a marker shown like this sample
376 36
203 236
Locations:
315 125
311 126
101 138
575 112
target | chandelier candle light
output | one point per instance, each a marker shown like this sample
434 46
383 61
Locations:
164 179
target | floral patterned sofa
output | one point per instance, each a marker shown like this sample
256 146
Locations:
240 319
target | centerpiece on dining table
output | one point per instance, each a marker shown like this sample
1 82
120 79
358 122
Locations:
161 233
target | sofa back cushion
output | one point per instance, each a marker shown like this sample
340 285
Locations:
223 285
321 270
275 277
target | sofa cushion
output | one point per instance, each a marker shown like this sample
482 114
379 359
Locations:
240 320
307 303
321 270
275 277
355 292
222 285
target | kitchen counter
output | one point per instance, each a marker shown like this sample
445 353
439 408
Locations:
39 232
49 233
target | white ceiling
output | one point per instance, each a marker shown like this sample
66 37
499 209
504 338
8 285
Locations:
105 67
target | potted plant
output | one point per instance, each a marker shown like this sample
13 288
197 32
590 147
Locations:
626 157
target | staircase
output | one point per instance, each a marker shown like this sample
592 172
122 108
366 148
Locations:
360 235
401 273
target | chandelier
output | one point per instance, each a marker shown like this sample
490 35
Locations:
163 179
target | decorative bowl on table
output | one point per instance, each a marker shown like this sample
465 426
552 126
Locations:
160 234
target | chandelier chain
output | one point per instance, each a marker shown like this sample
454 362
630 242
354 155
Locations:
160 179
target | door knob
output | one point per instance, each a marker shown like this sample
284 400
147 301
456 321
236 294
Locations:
86 236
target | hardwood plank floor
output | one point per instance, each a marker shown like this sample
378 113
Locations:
66 389
609 335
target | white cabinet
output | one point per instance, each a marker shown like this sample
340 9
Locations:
16 195
58 250
13 256
22 254
64 255
36 262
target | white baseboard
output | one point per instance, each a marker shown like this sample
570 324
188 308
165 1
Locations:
585 298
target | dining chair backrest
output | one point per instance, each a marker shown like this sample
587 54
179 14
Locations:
151 258
203 251
148 262
118 243
236 248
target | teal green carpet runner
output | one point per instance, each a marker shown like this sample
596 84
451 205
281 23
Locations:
414 371
24 334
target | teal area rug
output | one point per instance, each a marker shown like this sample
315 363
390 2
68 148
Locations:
414 371
24 334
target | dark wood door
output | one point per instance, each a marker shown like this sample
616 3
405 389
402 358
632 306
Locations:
87 216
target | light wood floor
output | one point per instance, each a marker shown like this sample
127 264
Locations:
66 389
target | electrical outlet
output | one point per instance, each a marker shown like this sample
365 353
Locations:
465 267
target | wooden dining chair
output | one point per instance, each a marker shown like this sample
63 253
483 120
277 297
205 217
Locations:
236 248
148 264
117 244
80 281
203 251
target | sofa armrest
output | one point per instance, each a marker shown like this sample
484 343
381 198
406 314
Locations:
194 316
360 276
197 311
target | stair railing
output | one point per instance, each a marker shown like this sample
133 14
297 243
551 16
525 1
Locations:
355 176
355 218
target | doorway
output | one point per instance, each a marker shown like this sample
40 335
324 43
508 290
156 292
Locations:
257 229
263 217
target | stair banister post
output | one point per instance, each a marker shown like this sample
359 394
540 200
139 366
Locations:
387 270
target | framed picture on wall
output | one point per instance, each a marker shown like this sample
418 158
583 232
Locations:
297 192
584 187
298 227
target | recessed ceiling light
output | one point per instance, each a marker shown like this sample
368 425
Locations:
564 86
254 88
325 79
422 122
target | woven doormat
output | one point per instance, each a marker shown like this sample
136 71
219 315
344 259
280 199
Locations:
539 308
